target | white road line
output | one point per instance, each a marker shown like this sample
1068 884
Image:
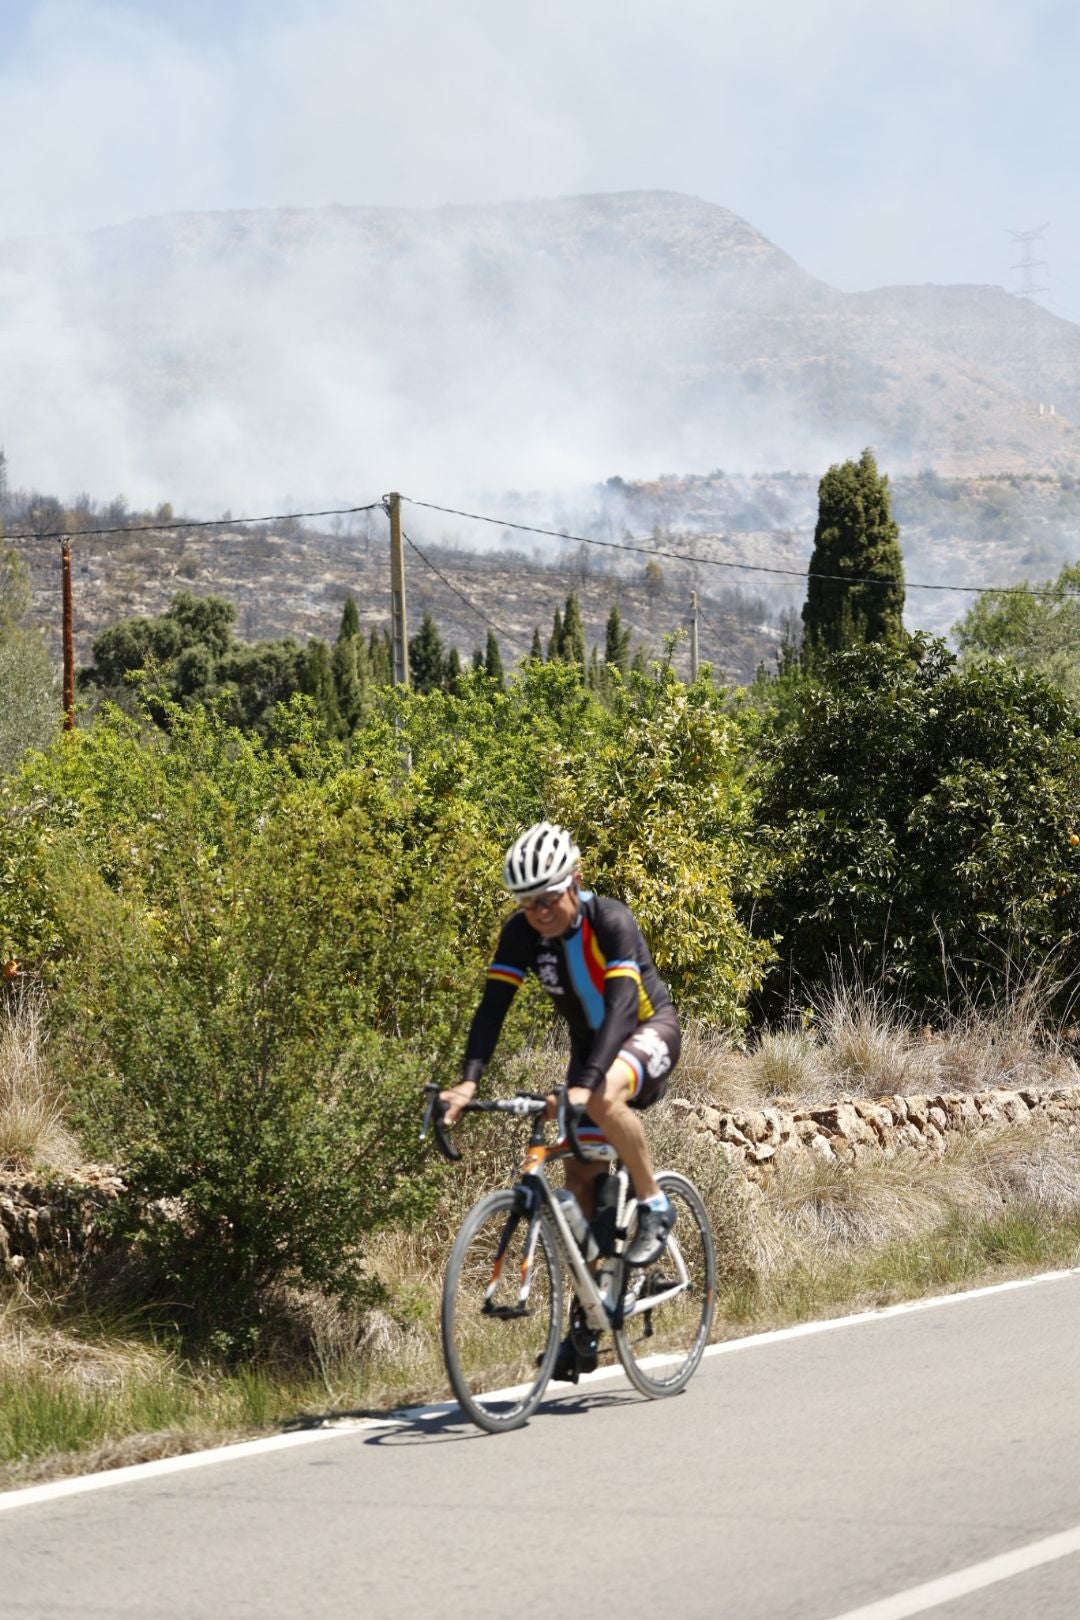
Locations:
949 1587
76 1484
826 1324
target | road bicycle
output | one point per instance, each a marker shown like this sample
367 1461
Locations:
502 1306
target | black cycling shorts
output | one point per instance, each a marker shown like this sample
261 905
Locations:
652 1051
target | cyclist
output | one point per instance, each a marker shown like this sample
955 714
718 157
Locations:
589 955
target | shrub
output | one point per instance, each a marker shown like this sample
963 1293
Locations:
659 802
924 821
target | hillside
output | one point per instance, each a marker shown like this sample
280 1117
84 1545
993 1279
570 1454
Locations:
219 358
293 581
290 579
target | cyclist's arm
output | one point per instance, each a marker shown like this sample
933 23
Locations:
626 1001
487 1021
504 975
621 1018
484 1031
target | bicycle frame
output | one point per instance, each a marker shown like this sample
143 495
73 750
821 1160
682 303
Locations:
535 1194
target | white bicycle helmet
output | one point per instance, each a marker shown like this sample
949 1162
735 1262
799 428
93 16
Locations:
544 857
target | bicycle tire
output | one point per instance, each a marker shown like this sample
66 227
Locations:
661 1357
485 1354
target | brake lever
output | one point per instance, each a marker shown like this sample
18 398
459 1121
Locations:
433 1120
567 1125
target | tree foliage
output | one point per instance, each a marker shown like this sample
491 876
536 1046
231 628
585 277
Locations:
1040 632
427 656
856 544
923 818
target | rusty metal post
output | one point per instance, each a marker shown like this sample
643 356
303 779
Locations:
69 639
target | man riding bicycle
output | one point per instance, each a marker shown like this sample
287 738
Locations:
589 955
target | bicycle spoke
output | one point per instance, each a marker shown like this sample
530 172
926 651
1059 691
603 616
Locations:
502 1304
661 1344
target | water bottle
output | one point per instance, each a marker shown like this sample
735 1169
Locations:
607 1281
575 1220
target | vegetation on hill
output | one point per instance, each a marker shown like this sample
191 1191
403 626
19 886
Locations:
1037 629
29 695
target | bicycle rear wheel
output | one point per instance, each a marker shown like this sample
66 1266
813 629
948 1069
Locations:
661 1347
499 1360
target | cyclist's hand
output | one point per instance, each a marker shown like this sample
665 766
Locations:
577 1096
456 1098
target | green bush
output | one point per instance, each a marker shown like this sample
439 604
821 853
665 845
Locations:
256 953
921 816
659 803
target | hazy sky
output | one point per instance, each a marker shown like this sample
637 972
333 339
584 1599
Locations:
875 142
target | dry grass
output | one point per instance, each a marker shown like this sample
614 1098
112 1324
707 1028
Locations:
33 1131
853 1041
811 1212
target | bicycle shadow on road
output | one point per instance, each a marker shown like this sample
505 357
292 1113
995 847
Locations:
432 1425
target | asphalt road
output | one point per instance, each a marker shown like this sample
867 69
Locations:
809 1477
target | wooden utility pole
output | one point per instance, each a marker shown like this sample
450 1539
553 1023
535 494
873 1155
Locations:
69 639
693 636
399 631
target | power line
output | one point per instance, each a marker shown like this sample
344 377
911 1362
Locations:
203 523
651 550
723 562
506 635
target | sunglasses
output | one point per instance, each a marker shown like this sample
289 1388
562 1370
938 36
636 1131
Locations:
544 902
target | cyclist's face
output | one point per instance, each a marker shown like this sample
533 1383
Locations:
551 914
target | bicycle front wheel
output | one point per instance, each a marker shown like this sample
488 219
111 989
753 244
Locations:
660 1345
500 1353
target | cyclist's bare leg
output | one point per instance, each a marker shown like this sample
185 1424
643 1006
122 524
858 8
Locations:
581 1180
609 1107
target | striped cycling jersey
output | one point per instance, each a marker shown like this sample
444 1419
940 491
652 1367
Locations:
599 974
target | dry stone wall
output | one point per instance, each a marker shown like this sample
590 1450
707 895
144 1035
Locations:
58 1216
52 1217
861 1128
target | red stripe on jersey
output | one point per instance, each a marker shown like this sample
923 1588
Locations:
594 958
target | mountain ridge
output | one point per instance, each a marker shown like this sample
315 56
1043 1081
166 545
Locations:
514 343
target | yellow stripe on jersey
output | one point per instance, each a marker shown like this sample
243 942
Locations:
630 970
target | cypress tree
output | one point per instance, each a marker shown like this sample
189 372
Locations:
348 686
380 657
492 660
856 538
317 680
453 671
427 660
536 650
617 643
350 619
477 658
573 638
555 644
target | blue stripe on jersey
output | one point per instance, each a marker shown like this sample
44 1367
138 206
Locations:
590 997
511 972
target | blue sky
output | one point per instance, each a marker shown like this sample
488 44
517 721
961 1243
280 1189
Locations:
875 143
